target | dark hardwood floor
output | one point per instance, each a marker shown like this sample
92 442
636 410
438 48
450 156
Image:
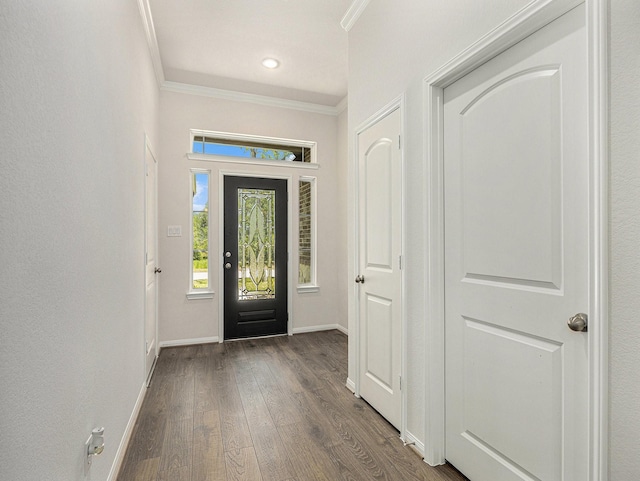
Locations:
273 409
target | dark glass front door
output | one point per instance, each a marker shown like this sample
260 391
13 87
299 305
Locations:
255 257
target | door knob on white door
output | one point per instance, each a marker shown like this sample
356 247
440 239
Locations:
579 322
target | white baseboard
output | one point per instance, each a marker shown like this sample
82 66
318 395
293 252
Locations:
415 442
342 329
351 386
323 327
189 342
126 437
209 340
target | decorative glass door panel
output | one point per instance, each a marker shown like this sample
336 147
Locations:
256 243
255 257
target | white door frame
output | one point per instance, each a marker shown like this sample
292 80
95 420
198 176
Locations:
531 18
147 375
290 272
395 104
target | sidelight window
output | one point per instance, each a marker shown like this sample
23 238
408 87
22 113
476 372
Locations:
306 234
200 280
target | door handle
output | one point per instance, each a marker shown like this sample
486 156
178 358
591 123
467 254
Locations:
157 270
578 323
227 254
227 265
360 279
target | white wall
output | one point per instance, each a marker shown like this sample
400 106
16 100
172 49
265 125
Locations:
392 47
183 319
625 240
77 94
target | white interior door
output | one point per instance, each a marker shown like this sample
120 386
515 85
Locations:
516 260
380 247
151 262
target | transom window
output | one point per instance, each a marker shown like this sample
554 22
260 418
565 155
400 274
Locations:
252 147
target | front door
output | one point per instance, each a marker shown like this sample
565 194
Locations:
255 257
516 260
379 277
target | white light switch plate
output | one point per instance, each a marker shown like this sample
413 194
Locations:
174 231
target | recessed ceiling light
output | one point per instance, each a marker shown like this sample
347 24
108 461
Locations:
270 63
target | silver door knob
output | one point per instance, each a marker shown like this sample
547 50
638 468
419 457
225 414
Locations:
227 265
360 280
227 254
579 322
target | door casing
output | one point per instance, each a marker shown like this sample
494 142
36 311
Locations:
148 151
292 280
354 384
528 20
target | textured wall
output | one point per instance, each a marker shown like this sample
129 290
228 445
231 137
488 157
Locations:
625 240
77 94
181 318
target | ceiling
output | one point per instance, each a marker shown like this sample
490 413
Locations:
221 44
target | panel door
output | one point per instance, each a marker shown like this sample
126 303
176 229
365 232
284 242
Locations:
380 247
516 258
255 258
151 263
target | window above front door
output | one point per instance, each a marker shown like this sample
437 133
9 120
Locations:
227 147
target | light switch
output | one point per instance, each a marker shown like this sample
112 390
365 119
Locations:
174 231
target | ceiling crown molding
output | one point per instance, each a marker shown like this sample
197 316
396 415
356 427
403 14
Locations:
152 40
342 105
353 13
250 98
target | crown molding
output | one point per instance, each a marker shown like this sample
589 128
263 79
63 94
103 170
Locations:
342 105
353 13
152 40
183 88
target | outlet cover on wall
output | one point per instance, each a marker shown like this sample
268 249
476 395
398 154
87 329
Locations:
174 231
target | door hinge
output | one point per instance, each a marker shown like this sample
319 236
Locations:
400 377
400 262
399 143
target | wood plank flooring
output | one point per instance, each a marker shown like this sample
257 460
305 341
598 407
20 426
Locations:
273 409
